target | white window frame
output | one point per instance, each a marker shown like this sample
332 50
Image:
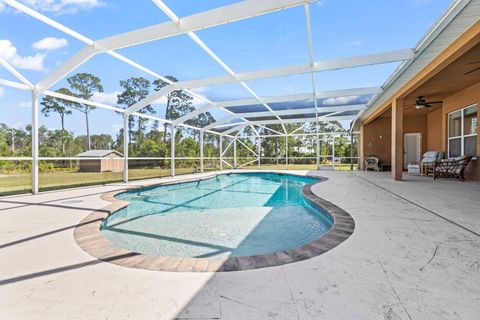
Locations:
462 136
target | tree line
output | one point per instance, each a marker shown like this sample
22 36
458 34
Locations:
148 141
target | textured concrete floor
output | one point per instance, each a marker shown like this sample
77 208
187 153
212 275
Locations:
415 254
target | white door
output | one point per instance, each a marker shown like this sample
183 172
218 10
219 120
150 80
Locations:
411 144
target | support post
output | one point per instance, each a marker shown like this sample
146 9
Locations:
172 151
397 139
351 151
221 152
258 150
286 152
333 152
361 151
126 134
201 151
235 153
320 143
34 142
318 149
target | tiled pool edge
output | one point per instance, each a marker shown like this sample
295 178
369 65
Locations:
89 237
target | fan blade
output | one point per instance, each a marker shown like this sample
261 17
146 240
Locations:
471 71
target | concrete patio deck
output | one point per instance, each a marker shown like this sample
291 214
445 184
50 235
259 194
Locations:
414 254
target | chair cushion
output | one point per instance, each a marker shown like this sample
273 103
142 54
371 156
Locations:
431 154
427 160
440 155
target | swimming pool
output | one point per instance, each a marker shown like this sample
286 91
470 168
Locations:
229 215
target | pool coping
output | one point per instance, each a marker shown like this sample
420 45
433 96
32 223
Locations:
89 237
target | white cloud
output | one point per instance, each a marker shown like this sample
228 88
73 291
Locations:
25 104
2 6
50 43
64 6
338 101
196 101
2 92
110 98
353 43
9 53
200 90
19 125
117 127
106 97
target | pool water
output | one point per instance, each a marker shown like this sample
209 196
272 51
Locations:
241 214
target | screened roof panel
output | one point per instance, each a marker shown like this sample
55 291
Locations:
281 86
224 128
347 113
232 91
370 26
267 41
342 101
15 106
253 42
365 76
298 116
110 71
185 7
261 118
105 18
33 54
178 56
248 108
6 75
305 104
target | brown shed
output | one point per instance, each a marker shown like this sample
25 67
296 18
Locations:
101 160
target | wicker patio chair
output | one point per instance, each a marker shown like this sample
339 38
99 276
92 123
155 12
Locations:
371 162
451 168
428 161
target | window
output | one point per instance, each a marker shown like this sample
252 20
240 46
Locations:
462 132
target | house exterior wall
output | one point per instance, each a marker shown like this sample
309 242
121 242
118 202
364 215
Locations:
434 126
377 135
459 35
459 100
377 139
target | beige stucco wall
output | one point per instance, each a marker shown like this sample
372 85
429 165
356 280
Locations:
377 135
434 125
377 139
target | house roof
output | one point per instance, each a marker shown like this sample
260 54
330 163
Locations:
451 25
98 153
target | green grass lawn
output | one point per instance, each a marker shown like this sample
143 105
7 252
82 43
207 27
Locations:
21 182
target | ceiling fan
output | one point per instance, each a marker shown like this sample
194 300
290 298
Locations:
473 70
421 103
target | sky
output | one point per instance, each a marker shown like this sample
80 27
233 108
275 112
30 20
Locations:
340 28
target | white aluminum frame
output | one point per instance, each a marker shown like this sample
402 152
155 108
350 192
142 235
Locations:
188 25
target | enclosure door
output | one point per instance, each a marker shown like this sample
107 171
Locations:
411 143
